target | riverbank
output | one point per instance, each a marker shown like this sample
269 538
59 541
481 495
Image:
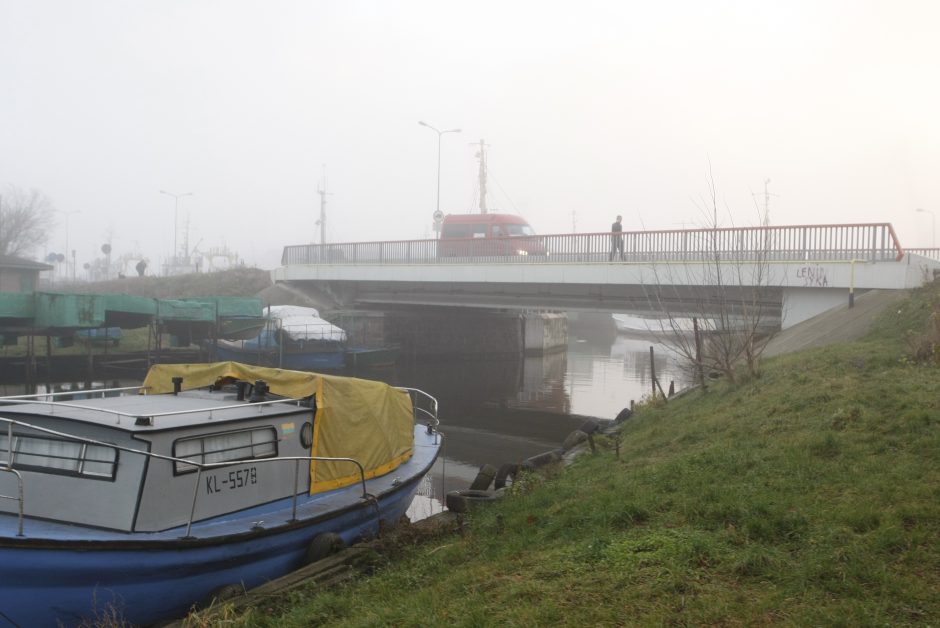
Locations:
807 496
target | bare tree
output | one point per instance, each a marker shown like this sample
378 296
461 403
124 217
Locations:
25 220
725 294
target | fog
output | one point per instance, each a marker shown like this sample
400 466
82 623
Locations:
589 110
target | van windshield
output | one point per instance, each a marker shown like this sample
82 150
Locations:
516 230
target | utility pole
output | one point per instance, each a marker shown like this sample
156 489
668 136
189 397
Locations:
481 155
767 195
321 190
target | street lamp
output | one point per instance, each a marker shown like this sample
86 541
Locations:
439 134
933 225
176 215
67 253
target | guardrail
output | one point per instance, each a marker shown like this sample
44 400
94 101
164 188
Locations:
929 252
871 242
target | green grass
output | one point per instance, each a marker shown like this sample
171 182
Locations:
807 496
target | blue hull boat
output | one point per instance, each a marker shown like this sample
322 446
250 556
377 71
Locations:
142 507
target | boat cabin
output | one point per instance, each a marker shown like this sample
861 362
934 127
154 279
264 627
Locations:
106 487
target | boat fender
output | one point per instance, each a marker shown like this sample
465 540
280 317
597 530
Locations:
590 426
223 594
542 459
623 415
507 472
574 439
484 477
466 500
323 545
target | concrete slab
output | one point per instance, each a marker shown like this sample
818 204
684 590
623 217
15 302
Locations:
840 324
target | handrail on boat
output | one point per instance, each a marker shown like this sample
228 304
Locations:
7 467
18 497
86 391
135 416
200 466
416 394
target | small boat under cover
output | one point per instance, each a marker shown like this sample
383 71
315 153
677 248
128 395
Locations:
214 477
293 337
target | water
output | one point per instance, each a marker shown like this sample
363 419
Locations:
501 411
495 412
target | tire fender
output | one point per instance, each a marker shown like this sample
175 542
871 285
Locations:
323 545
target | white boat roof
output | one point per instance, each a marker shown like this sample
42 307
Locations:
189 408
304 323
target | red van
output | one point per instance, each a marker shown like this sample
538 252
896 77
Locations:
487 235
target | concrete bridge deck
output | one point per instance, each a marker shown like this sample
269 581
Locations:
794 272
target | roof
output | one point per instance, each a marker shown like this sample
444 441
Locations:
511 219
10 261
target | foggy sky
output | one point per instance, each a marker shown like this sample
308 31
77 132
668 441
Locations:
590 109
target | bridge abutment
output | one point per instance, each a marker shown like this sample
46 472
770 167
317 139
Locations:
800 304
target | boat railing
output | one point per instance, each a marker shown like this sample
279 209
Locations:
7 465
423 404
88 392
140 419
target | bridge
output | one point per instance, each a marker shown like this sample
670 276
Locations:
795 272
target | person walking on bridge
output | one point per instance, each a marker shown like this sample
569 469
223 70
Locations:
616 239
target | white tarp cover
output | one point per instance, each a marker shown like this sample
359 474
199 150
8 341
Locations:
304 323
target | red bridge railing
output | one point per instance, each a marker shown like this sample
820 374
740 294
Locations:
869 242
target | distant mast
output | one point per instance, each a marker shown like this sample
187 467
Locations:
321 190
481 155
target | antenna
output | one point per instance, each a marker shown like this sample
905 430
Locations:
767 195
321 190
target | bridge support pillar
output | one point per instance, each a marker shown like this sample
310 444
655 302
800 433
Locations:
800 304
545 332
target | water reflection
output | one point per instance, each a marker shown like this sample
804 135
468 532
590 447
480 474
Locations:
498 411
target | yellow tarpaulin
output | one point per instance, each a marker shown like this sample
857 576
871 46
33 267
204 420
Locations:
369 421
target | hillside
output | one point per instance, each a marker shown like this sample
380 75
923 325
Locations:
237 282
807 496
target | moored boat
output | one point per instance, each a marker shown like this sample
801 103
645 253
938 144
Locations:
293 337
216 477
629 323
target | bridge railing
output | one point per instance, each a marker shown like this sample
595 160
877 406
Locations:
929 252
869 242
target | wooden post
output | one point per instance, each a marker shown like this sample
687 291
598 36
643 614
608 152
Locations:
698 354
652 372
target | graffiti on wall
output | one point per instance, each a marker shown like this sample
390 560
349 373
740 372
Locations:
813 276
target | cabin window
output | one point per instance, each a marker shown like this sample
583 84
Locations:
63 457
215 448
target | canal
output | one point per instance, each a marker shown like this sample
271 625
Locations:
506 410
499 411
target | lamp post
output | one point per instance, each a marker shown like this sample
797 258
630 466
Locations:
933 225
439 134
67 252
176 215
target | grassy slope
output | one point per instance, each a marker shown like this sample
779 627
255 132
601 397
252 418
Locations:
810 496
